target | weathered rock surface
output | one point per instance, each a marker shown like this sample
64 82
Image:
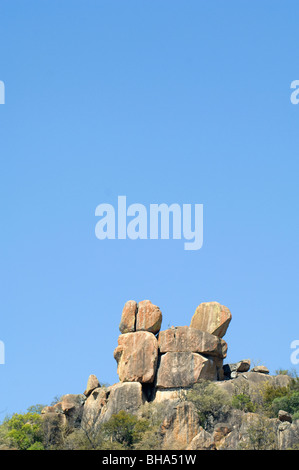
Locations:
260 369
137 356
202 441
143 316
124 396
149 317
72 407
183 369
221 431
104 402
161 395
180 425
211 317
253 384
95 408
187 339
231 370
161 371
284 416
92 383
288 435
128 318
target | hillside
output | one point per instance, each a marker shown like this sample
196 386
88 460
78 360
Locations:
175 392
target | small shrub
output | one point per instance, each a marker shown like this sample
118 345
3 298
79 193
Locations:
244 403
260 435
125 430
120 428
211 402
289 403
151 438
271 394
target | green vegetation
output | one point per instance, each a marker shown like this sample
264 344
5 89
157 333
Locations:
124 431
22 431
260 434
282 398
243 402
211 403
31 431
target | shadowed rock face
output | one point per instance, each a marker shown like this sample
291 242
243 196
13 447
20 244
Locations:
128 318
103 402
202 441
231 371
95 408
184 369
137 357
187 339
124 396
72 407
212 318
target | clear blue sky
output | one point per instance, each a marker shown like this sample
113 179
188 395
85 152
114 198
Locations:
175 102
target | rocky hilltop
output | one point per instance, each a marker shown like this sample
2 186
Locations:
165 367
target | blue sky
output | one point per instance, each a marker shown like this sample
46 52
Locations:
174 102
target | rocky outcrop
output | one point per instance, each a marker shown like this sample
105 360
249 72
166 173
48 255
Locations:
137 357
92 383
69 409
124 396
211 317
103 402
149 317
202 441
187 339
253 384
95 408
261 369
184 369
188 355
128 318
230 371
161 367
285 416
142 316
180 425
288 435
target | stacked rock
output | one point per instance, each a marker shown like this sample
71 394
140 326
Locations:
178 357
188 355
137 350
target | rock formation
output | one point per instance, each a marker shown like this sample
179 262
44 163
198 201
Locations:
161 366
212 317
137 357
179 357
142 316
